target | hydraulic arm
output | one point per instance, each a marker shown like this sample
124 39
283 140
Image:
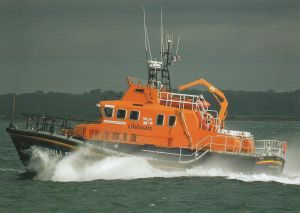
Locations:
218 95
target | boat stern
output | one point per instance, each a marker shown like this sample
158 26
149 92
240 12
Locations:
271 155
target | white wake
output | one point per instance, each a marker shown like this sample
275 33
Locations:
79 167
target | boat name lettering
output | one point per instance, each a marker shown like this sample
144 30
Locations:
57 152
137 126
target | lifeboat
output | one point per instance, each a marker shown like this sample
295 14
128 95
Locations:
170 129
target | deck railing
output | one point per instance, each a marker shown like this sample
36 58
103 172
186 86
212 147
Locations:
35 122
236 133
271 148
210 141
195 102
262 148
186 101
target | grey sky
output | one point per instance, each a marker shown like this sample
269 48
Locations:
75 46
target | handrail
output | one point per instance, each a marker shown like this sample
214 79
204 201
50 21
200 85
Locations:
56 117
271 148
184 100
236 133
193 102
226 146
211 143
36 122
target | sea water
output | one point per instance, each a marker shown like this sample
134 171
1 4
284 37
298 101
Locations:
130 184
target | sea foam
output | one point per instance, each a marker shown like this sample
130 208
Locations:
79 167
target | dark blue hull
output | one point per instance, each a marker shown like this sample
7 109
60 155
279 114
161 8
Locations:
164 158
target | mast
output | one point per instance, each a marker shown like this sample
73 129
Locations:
165 73
159 70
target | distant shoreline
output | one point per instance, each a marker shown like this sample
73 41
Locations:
262 118
231 118
243 106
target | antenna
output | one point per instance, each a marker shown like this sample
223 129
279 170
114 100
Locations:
145 29
178 40
161 34
159 71
147 43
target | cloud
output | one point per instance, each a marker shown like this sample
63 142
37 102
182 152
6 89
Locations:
49 45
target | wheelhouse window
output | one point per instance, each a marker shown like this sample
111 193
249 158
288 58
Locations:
121 113
160 119
108 111
172 120
134 115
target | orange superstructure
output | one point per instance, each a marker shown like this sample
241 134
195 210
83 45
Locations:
148 116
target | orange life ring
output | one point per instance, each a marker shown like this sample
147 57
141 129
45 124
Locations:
208 122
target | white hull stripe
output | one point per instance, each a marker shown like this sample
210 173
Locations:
114 122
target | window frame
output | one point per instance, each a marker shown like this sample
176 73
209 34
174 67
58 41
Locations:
124 115
112 114
174 124
138 118
163 122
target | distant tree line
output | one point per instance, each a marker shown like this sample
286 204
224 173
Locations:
242 104
260 105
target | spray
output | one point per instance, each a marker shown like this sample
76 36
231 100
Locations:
79 167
